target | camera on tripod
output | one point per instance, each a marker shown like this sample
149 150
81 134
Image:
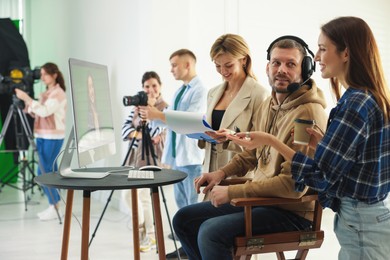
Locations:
140 99
19 77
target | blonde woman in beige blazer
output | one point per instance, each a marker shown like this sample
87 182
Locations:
235 102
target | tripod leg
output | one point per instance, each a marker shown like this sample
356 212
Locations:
31 169
22 170
169 220
150 151
30 138
109 197
101 217
13 112
6 123
10 174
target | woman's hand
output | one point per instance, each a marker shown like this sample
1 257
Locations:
316 136
249 140
220 136
152 97
23 96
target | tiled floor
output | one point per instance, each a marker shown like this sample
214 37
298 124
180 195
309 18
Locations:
24 236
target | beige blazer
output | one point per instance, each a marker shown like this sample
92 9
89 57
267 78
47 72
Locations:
241 112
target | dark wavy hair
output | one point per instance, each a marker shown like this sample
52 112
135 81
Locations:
52 69
150 75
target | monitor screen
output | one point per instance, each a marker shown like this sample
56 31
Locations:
91 110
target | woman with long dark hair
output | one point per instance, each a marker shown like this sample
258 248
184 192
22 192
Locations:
49 128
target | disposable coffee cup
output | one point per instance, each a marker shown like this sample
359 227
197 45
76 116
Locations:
300 134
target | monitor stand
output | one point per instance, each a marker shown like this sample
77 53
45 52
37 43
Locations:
65 169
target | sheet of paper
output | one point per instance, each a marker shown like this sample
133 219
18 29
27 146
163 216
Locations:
183 122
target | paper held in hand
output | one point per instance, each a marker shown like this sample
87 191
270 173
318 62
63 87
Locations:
192 124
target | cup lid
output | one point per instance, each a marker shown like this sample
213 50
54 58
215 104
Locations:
305 121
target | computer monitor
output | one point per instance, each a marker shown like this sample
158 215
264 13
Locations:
92 136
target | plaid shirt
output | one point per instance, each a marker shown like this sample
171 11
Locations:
353 158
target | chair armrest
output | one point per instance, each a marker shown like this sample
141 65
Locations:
248 203
263 201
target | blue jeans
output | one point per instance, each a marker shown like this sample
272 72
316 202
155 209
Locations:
207 232
48 150
363 230
185 193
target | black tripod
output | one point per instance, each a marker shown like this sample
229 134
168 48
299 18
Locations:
148 151
22 130
25 166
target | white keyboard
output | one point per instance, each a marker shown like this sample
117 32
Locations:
137 174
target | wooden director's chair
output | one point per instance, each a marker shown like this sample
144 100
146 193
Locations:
300 241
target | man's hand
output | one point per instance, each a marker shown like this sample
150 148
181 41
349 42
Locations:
148 112
210 178
156 139
219 195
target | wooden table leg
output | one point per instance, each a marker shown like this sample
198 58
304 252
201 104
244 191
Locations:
67 222
85 224
158 223
134 210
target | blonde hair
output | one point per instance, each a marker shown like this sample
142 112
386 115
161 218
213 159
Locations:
236 46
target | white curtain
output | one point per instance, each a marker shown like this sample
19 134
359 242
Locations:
11 9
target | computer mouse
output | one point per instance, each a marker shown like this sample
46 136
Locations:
150 168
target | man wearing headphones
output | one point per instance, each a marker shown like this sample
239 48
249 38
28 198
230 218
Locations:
207 230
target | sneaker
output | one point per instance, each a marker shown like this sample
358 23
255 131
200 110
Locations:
44 212
147 244
49 214
173 255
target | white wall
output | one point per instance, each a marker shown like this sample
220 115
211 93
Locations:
132 36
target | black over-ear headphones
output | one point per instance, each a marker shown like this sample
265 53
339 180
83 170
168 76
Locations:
308 66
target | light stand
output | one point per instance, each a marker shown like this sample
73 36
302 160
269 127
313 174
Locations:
148 150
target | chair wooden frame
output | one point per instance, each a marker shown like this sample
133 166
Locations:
300 241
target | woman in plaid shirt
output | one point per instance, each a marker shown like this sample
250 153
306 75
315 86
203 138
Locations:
351 165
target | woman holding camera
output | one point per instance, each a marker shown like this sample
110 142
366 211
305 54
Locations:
49 128
151 85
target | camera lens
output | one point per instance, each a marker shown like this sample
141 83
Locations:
131 100
141 99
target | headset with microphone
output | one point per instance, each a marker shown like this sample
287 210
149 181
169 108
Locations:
308 66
